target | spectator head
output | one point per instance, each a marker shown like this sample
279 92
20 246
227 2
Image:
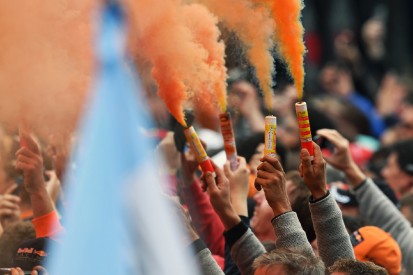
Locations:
371 243
398 171
11 238
32 253
405 126
263 214
345 199
289 262
352 223
336 78
406 207
252 149
261 220
353 267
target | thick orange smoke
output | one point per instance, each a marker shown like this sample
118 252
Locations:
254 26
289 34
45 62
180 63
206 33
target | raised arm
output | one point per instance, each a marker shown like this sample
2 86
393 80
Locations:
271 178
332 238
30 161
373 204
245 247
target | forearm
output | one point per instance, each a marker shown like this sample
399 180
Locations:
240 205
206 261
205 220
289 232
244 246
41 202
354 175
381 212
332 238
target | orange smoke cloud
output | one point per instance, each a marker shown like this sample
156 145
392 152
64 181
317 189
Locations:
206 33
45 62
180 60
255 28
289 34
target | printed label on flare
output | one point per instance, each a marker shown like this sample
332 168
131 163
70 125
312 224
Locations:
304 125
270 139
201 155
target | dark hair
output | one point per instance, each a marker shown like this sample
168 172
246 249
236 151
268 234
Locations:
246 148
11 238
352 223
353 267
404 152
293 261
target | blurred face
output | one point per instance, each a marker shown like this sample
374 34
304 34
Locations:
397 179
408 214
406 122
261 220
272 270
255 159
289 134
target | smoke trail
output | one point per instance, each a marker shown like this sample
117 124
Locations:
45 62
180 63
255 28
205 31
289 35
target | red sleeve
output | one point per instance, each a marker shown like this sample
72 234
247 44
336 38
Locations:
205 220
47 225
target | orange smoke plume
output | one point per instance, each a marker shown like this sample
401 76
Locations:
289 34
179 60
45 62
206 33
254 26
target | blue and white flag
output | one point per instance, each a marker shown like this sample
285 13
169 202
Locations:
117 221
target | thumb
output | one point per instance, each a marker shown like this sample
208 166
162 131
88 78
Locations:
305 160
11 189
28 141
210 181
227 170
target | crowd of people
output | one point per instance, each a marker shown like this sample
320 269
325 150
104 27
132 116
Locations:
348 210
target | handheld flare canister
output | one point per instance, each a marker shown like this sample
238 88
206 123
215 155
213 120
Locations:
229 140
270 136
199 151
304 125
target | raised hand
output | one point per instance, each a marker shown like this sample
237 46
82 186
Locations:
30 161
341 158
219 195
314 173
239 185
271 178
9 207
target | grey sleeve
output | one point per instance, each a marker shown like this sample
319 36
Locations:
245 250
332 237
290 234
207 263
381 212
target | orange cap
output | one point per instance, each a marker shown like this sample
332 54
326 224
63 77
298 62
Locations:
371 243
